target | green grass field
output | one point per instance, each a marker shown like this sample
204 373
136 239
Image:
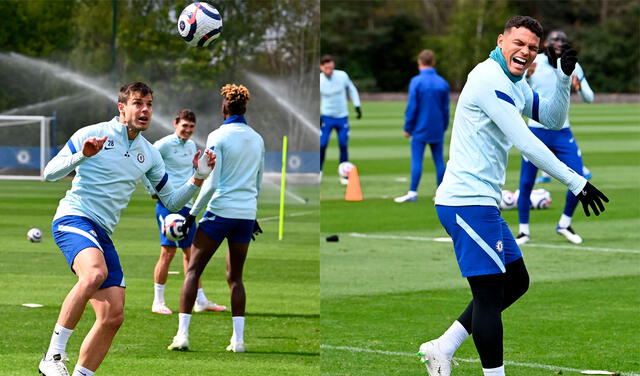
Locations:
387 286
281 278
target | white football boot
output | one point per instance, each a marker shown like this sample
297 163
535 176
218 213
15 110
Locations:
437 363
54 365
209 306
160 308
569 234
180 343
409 197
522 238
236 347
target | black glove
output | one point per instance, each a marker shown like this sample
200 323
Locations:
256 230
591 196
358 112
188 222
568 58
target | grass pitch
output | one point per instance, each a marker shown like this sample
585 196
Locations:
281 278
388 285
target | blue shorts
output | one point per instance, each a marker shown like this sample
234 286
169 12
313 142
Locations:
481 238
73 234
161 212
218 228
340 124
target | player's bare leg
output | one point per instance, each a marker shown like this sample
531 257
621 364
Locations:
202 250
108 305
160 274
91 269
236 257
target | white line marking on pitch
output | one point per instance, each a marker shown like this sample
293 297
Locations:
287 215
528 245
464 360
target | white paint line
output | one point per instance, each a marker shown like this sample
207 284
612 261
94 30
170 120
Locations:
32 305
528 245
299 214
173 272
464 360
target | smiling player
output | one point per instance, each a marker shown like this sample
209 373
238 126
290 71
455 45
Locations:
486 124
177 151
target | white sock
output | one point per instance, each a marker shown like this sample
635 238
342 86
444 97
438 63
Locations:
59 338
183 324
524 227
564 222
238 329
201 298
494 371
158 291
412 193
81 371
452 338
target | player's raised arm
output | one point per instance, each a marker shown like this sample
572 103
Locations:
552 111
175 199
79 147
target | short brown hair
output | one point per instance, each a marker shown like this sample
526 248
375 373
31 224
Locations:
237 97
527 22
187 115
426 57
133 87
326 59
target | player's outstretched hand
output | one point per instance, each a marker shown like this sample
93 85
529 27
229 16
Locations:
592 197
188 222
257 230
358 113
204 163
92 145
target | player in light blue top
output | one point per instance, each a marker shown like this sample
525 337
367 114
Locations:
335 86
561 142
231 198
109 158
486 124
177 151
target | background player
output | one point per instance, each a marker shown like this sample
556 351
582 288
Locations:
487 123
231 197
542 78
87 215
426 120
335 85
177 151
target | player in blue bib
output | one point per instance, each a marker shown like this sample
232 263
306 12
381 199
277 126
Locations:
487 122
335 88
231 197
109 159
177 151
561 142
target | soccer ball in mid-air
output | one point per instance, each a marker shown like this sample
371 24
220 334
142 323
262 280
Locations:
509 200
199 24
172 227
34 235
540 198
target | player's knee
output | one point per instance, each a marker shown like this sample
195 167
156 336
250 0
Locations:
168 253
94 279
233 278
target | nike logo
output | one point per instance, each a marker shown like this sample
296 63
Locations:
57 333
82 373
106 148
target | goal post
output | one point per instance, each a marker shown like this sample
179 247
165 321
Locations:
25 147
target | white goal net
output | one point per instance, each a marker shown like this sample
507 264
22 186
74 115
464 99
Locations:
25 148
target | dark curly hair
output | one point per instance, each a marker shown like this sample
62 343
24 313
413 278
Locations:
237 97
527 22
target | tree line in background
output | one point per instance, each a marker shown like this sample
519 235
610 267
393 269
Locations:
377 41
275 37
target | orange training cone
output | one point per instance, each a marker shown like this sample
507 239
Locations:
354 193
